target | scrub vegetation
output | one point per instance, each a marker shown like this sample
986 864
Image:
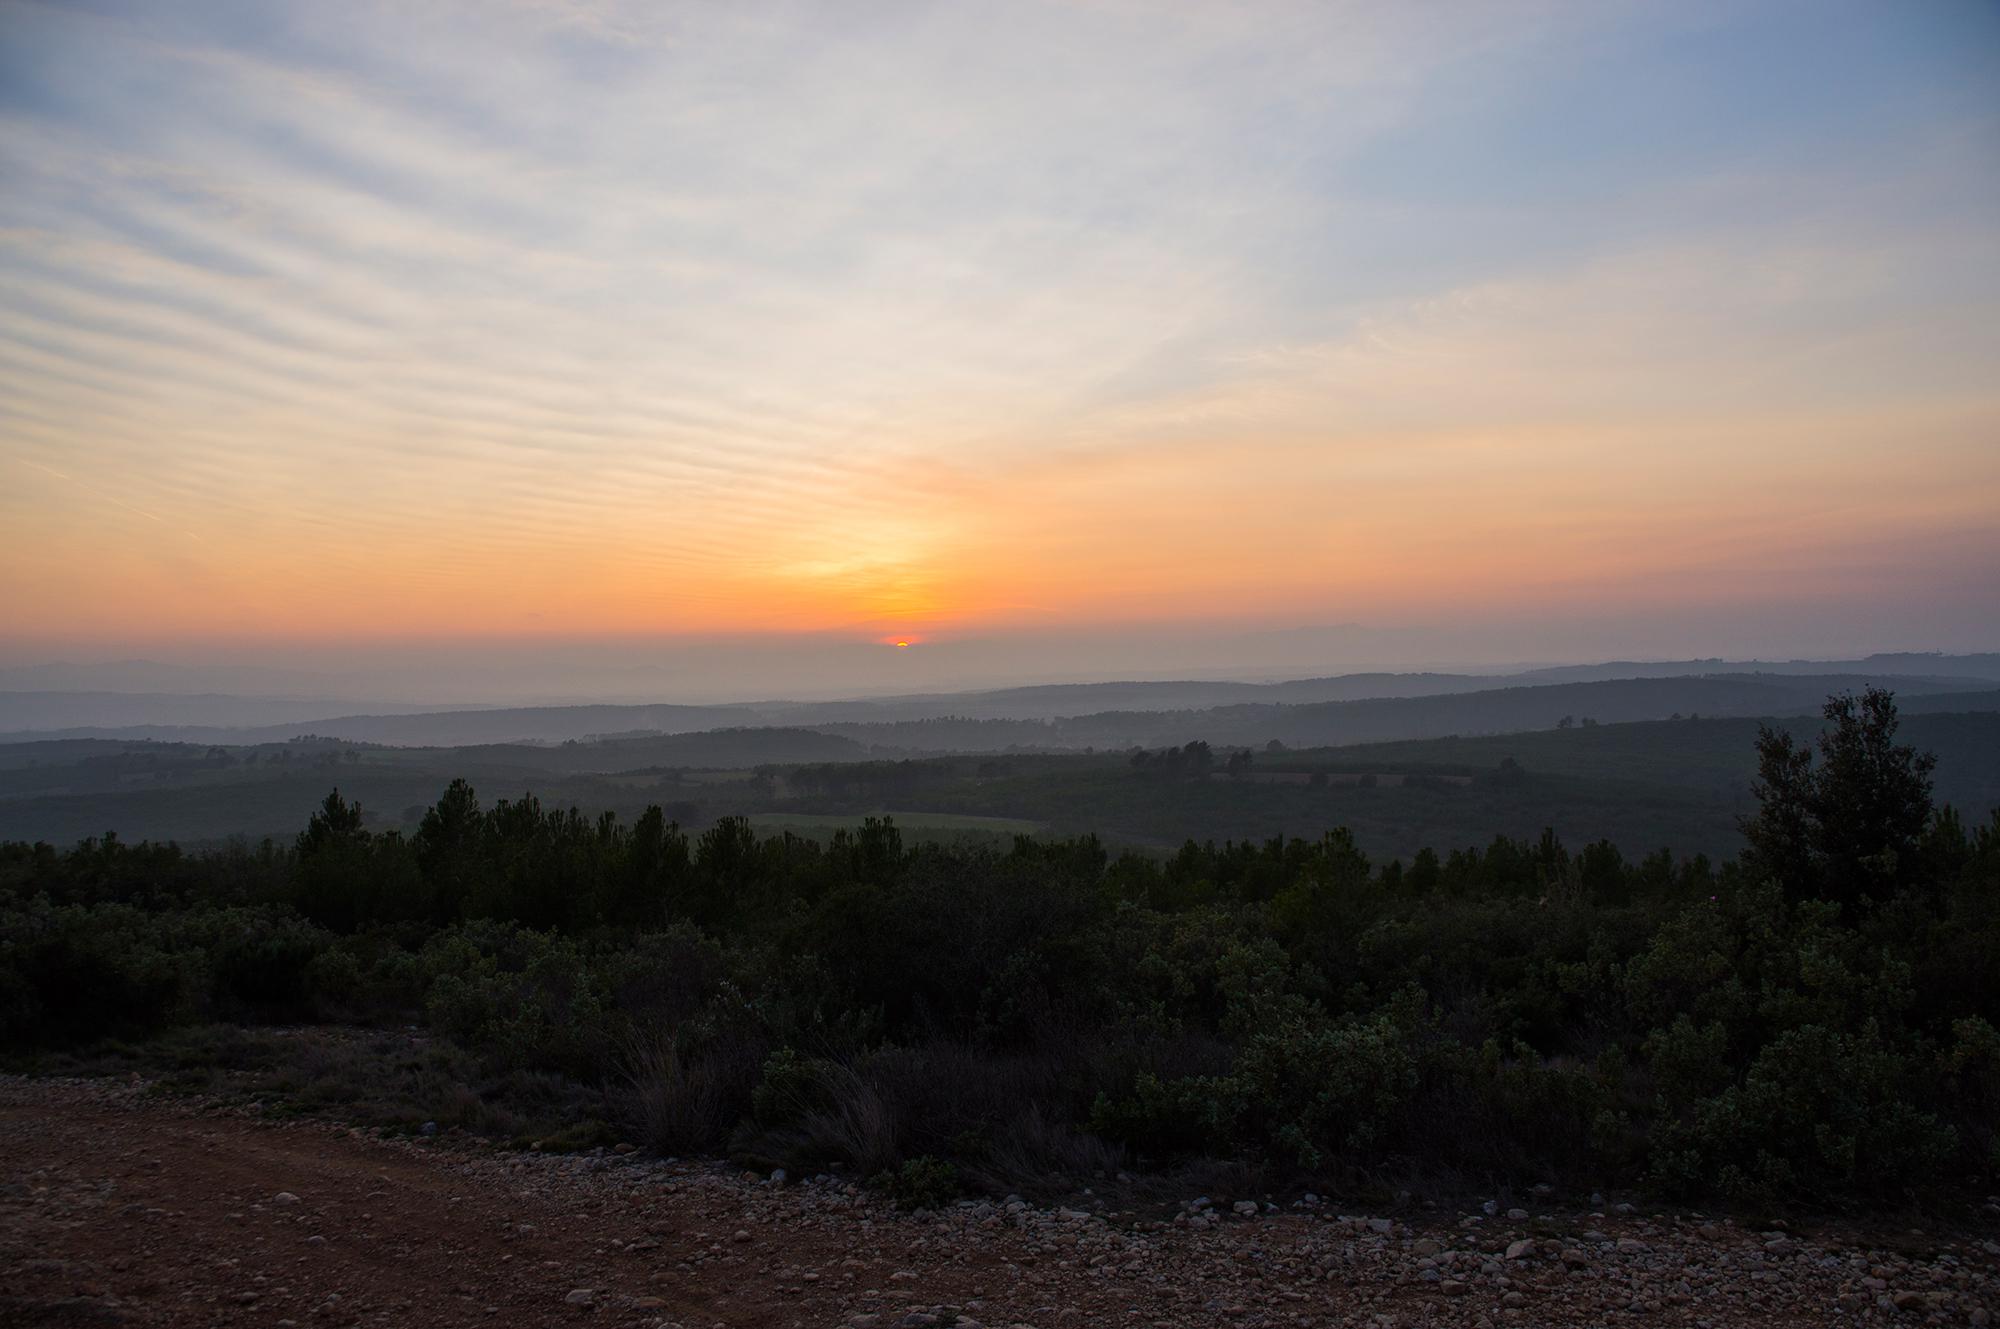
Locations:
1812 1020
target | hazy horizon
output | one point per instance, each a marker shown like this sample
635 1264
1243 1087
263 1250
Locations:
725 672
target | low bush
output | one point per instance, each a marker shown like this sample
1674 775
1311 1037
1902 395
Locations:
921 1183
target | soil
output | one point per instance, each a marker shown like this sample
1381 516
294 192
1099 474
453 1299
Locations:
123 1206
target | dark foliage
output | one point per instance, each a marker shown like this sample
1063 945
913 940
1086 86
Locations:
1816 1020
1849 828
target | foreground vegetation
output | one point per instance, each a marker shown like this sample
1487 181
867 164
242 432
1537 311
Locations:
1814 1020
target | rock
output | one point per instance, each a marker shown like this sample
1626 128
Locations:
284 1197
1513 1298
1245 1208
1451 1287
625 1147
739 1236
428 1128
1907 1300
779 1176
1632 1246
1520 1250
1517 1215
1574 1257
581 1296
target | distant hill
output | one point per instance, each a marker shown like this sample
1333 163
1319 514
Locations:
1501 710
429 728
732 749
1712 755
1645 784
1048 701
46 710
1900 664
1529 708
1384 706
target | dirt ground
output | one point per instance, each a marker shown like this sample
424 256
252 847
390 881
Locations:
118 1206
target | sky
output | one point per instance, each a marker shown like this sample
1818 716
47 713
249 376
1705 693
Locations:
722 347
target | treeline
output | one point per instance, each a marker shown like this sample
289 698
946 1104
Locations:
1815 1020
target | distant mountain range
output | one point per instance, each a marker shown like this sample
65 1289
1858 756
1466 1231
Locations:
1345 708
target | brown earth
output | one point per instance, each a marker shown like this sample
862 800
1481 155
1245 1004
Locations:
118 1206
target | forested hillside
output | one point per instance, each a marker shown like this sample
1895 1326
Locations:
1811 1020
1681 782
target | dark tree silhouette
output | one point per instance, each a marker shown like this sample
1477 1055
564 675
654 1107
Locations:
1848 827
337 823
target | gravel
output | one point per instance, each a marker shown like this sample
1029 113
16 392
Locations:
121 1207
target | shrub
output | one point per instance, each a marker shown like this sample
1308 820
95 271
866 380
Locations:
1820 1115
791 1088
520 998
921 1183
259 960
78 973
682 1091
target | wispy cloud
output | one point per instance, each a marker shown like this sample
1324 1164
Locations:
690 318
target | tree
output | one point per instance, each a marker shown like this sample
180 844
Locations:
345 878
449 846
335 825
1849 827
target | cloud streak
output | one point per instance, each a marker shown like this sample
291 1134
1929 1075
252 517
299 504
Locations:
696 319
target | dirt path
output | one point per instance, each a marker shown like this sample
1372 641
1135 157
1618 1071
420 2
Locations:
118 1207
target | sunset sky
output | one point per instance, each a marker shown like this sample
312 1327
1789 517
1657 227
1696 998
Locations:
1495 331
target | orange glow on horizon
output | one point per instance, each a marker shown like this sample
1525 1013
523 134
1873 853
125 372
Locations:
1431 527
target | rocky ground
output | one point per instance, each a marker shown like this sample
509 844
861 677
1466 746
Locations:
118 1206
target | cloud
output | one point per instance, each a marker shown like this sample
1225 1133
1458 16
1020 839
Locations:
700 318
